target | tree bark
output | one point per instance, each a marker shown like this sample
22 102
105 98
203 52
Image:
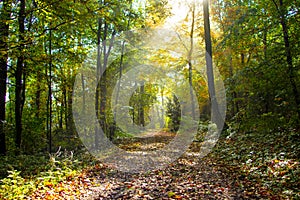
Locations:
289 59
190 54
119 80
50 93
234 102
288 53
216 116
38 96
99 63
141 112
83 90
3 70
18 77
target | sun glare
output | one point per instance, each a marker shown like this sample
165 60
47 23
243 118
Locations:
179 10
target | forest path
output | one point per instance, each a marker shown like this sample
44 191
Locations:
187 178
157 133
147 141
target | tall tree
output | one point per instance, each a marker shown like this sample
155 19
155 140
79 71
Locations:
282 13
4 30
18 75
253 50
190 59
209 66
49 100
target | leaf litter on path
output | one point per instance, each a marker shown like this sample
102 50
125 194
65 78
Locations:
187 178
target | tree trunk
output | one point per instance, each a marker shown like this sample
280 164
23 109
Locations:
102 88
50 94
289 58
3 70
103 51
65 105
83 90
18 77
268 96
162 122
216 116
141 107
190 62
119 81
23 91
235 105
99 52
70 127
38 96
113 129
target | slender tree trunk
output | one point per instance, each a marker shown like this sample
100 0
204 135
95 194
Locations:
65 106
70 128
24 71
103 102
216 116
38 96
3 70
99 53
190 61
162 123
18 77
103 87
83 95
103 81
60 115
235 105
23 91
141 106
267 100
289 59
10 116
103 50
242 59
119 81
118 90
50 93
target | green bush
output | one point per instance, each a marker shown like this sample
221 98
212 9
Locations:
23 175
15 187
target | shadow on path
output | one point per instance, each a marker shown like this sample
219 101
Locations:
187 178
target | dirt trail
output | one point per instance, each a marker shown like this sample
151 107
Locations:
187 178
157 133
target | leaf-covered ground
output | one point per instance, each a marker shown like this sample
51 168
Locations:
242 166
185 179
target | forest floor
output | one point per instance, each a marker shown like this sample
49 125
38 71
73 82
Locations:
244 166
187 178
211 177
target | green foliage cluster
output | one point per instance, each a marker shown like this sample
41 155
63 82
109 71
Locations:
257 52
173 113
15 187
27 164
28 174
41 53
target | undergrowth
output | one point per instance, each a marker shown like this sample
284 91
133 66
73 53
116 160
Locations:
263 163
27 175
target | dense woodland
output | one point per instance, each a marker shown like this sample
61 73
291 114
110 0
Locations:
254 46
